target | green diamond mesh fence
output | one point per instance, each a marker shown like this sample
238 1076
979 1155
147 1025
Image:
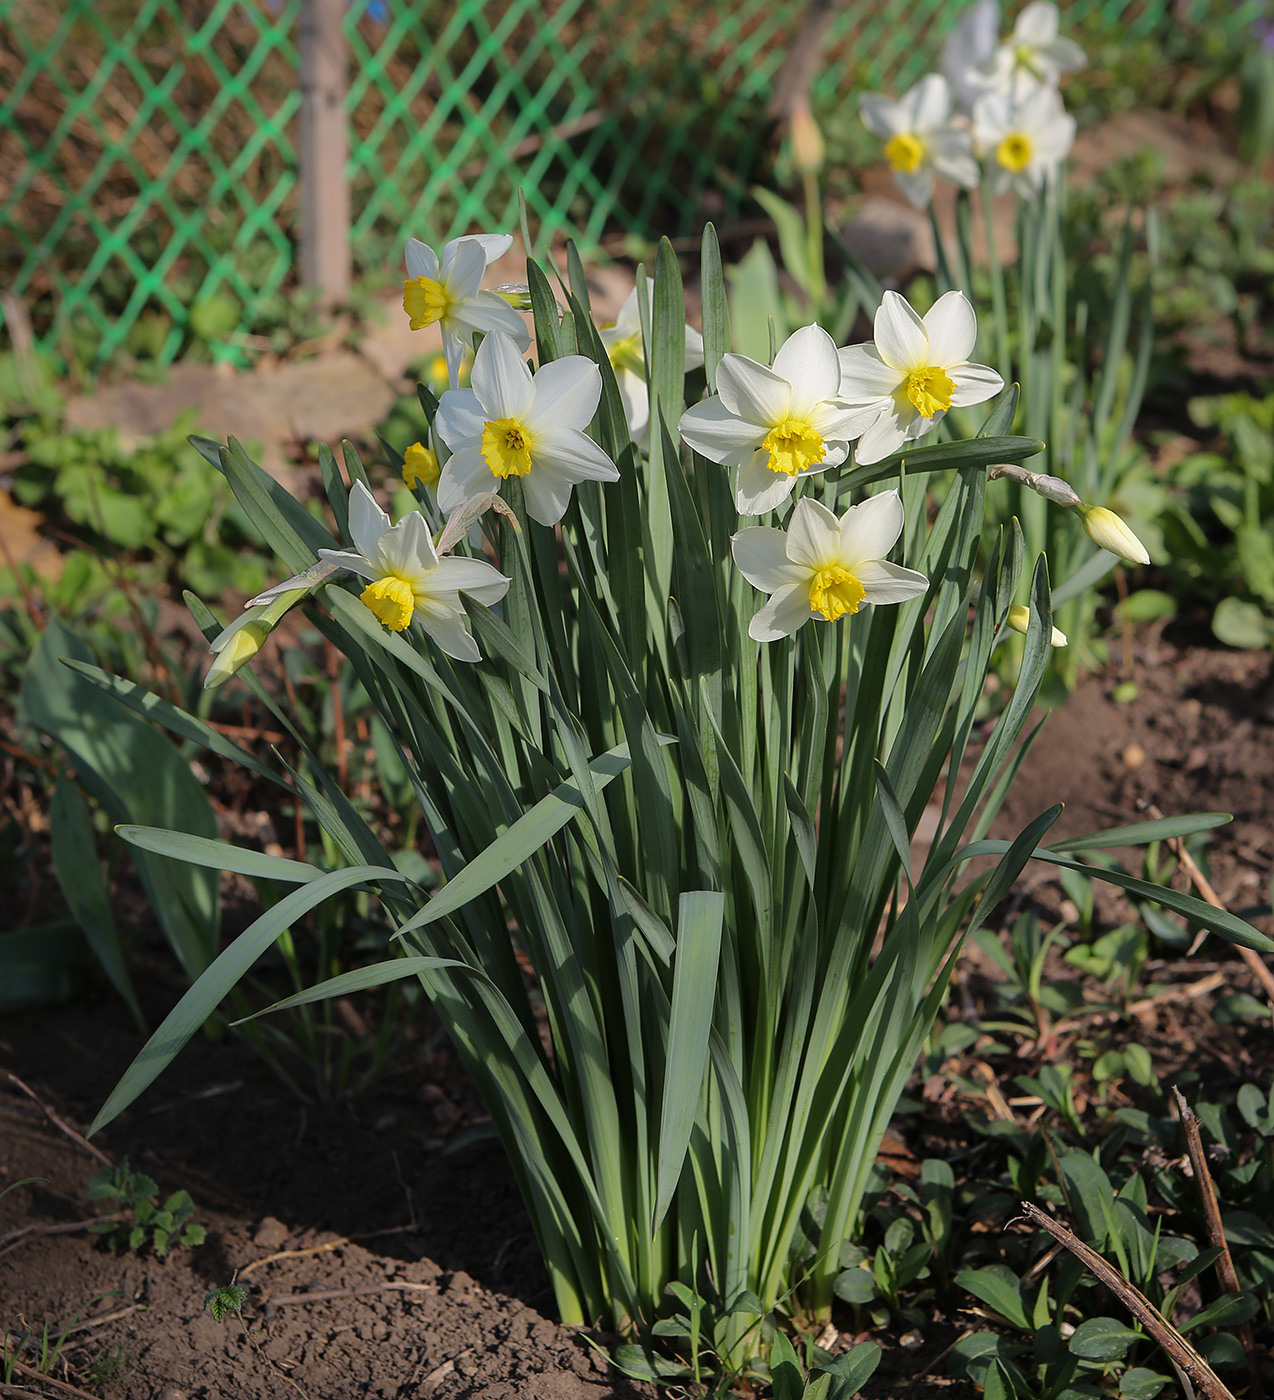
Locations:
148 148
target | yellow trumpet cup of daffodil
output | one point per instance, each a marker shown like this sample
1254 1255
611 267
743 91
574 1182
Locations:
447 292
776 424
512 423
407 581
824 567
913 372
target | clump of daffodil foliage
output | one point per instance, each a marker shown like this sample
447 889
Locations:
674 683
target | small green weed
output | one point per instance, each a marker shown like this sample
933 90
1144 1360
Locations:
139 1219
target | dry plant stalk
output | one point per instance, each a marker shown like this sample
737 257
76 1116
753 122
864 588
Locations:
1226 1271
1180 1352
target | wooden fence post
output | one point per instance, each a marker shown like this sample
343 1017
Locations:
325 217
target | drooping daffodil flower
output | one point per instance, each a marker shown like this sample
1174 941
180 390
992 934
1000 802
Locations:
775 425
921 140
447 291
824 567
628 359
421 469
512 423
913 372
1034 53
408 581
1024 142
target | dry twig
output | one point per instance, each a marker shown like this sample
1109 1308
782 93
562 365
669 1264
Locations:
1180 1352
61 1123
1226 1271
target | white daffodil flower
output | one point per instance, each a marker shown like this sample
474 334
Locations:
407 579
511 423
913 372
775 424
968 49
921 140
1033 53
628 359
448 291
1024 142
821 566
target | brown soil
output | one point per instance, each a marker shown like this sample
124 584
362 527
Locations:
414 1269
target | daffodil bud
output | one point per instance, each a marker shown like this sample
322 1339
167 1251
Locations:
420 466
1019 619
1106 529
238 643
808 149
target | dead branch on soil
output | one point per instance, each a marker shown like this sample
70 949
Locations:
61 1123
1180 1352
1226 1271
62 1387
13 1238
328 1295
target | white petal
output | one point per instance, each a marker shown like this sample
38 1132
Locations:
463 268
473 576
493 245
973 384
455 347
1037 24
885 436
413 540
760 555
752 391
572 455
719 435
465 476
884 582
367 522
628 322
916 185
865 377
567 392
951 153
1060 56
547 496
952 328
881 115
348 559
446 625
928 102
421 260
694 349
485 312
460 418
900 334
870 529
813 535
786 612
807 360
757 489
501 379
636 396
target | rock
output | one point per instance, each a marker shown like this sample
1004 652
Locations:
893 240
271 1234
22 541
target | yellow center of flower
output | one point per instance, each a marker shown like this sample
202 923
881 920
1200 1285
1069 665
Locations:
1015 151
627 354
835 591
905 152
425 301
928 390
420 466
391 600
506 448
793 446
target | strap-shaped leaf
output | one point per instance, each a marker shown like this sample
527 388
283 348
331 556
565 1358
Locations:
224 973
1142 833
694 984
521 841
375 975
218 855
